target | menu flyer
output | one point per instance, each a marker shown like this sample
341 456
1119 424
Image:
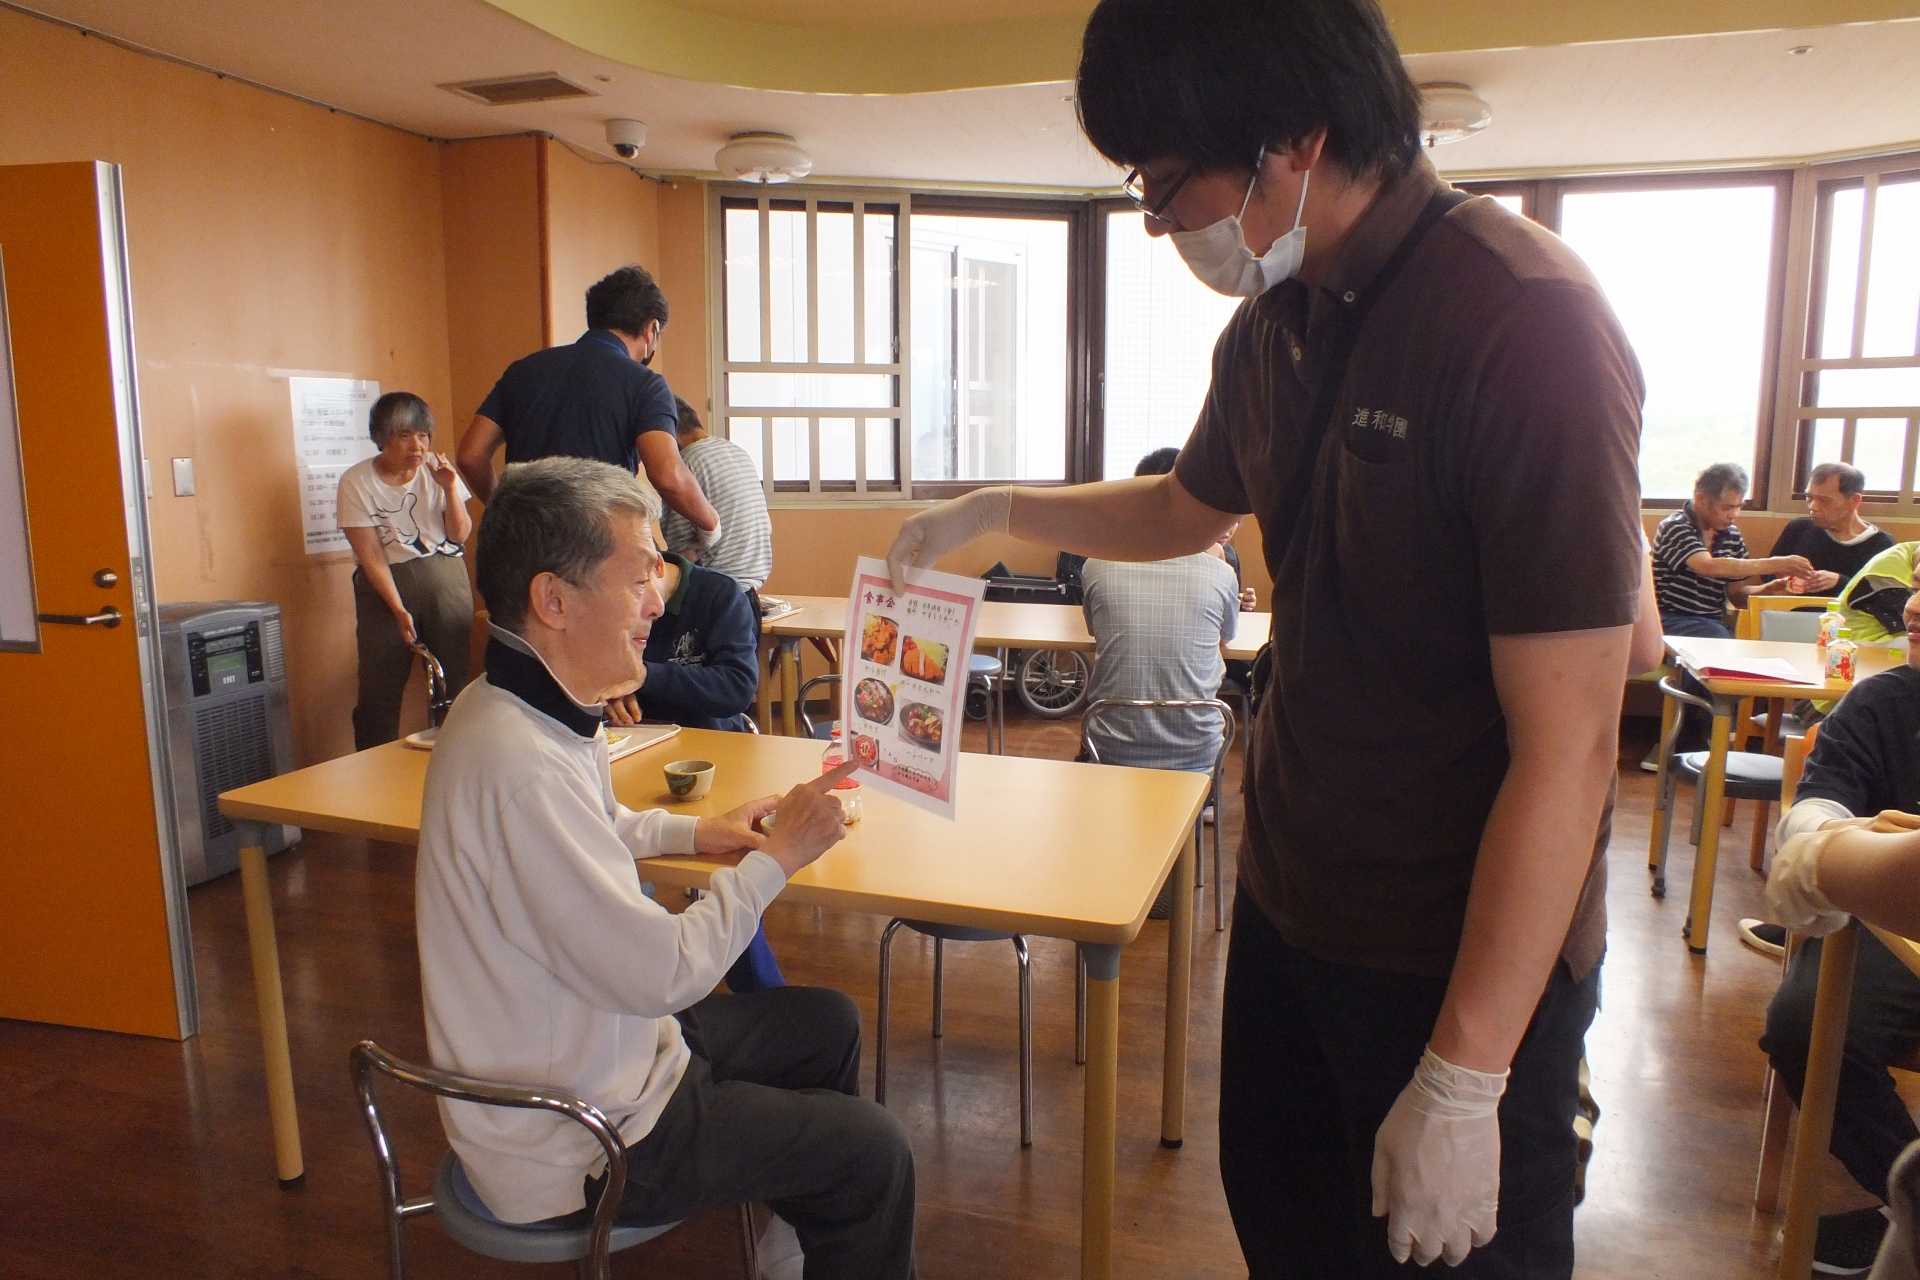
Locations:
906 680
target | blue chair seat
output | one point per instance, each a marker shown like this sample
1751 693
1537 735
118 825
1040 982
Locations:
1750 776
983 664
468 1220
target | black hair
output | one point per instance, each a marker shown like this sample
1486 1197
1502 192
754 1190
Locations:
626 301
689 421
1214 82
398 411
1158 463
1852 479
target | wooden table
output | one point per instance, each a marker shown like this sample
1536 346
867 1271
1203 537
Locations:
1041 846
1003 625
1695 654
1814 1129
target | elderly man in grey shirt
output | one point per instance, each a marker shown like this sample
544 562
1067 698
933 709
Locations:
1160 630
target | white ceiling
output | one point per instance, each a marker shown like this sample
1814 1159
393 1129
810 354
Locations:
1697 100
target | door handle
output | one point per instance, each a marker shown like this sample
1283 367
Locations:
107 617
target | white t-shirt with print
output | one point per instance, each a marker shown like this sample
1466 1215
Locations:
411 519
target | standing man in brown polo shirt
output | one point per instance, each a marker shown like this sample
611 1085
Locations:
1435 417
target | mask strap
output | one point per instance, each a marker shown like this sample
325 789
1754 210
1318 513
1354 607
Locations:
1252 182
1299 213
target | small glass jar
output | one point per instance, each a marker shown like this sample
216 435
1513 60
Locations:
850 795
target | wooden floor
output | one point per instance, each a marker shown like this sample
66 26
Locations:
130 1157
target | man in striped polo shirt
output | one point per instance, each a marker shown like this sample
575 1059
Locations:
1700 559
731 481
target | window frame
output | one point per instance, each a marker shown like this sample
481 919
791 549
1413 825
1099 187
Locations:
1804 310
1074 212
725 196
1794 286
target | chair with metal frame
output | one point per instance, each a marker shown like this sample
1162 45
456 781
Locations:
461 1211
1100 708
808 729
1749 776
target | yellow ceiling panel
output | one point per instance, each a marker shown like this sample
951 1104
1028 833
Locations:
917 46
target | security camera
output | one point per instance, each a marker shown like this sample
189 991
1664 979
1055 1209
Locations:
626 137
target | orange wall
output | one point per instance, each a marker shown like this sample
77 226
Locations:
681 268
264 235
599 216
495 291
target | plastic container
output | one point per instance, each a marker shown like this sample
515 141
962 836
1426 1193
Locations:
1841 655
1831 624
847 791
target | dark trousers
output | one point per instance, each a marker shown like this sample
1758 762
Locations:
1696 725
1312 1056
436 592
769 1111
1871 1125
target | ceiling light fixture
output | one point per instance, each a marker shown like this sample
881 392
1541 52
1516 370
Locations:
1450 112
763 157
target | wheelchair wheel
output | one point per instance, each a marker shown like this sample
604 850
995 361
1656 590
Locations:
1053 683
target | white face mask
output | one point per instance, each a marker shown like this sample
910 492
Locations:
1219 258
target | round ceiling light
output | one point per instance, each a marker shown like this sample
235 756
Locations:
763 157
1450 112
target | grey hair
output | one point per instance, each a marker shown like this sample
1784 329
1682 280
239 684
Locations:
551 516
1720 477
1852 479
398 411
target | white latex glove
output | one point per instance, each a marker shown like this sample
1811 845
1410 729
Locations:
1436 1162
927 535
1793 885
707 537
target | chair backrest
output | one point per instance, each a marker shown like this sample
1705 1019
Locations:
367 1060
1101 708
1779 624
1793 763
800 701
1752 623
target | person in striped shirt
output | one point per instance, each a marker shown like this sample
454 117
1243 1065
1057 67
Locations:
1700 561
731 481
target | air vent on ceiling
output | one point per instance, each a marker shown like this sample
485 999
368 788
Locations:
541 86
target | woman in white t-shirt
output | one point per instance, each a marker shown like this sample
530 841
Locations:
404 512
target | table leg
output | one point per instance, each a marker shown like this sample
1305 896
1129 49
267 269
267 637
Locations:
763 696
1173 1073
1700 909
273 1016
790 684
1657 831
1815 1129
1097 1141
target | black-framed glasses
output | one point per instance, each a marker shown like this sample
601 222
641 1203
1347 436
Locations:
1134 187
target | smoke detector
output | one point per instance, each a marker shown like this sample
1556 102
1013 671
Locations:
1450 112
763 157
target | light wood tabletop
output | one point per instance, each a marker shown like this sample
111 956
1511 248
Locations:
1049 847
1696 654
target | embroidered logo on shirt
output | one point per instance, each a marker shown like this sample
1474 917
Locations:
1380 422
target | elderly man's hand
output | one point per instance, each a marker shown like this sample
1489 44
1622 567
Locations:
733 832
623 711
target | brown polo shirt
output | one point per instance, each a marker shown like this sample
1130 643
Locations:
1478 477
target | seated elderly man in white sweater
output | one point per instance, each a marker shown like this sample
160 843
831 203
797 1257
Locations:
542 961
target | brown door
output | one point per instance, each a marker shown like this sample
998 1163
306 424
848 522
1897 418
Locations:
92 924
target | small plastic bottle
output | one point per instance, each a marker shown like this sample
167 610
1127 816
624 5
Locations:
1841 652
847 791
1831 623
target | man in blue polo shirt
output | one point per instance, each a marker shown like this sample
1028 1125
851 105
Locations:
594 399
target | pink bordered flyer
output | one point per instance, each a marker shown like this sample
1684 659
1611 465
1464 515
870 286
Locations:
904 696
